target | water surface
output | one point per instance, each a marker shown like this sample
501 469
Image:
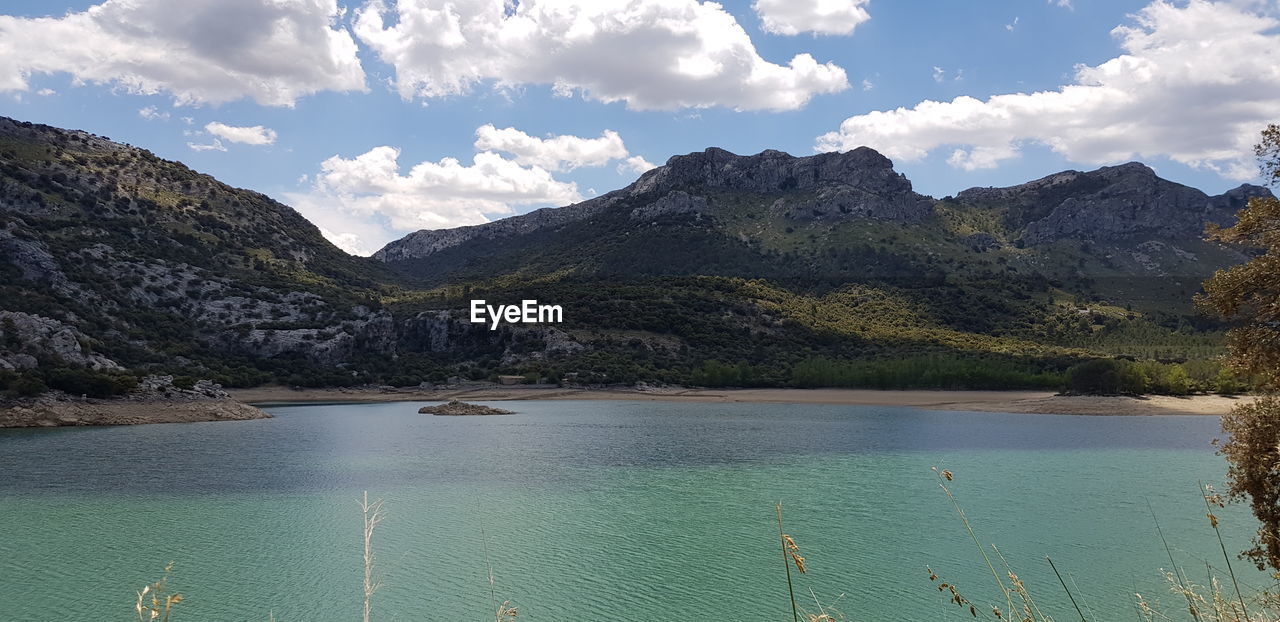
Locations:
601 510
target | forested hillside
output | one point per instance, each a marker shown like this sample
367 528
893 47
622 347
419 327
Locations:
715 269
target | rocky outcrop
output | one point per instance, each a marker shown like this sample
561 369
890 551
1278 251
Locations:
49 412
33 260
456 408
1113 203
773 171
855 203
674 203
370 332
26 340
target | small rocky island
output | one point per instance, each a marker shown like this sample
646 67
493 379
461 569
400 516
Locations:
456 408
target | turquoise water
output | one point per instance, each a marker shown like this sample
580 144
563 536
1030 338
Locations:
601 511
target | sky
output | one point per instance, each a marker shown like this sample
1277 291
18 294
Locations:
376 118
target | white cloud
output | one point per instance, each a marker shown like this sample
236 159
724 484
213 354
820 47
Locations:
252 135
867 84
216 145
1066 4
365 201
46 92
273 51
636 164
1012 25
824 17
349 242
151 113
1195 84
557 153
939 74
651 54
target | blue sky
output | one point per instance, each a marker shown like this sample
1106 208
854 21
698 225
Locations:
1182 86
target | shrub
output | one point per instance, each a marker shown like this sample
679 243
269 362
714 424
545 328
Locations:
80 381
27 386
1106 377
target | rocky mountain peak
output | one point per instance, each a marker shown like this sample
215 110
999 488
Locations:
1127 201
775 171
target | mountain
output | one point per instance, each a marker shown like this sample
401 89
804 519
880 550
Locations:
712 269
834 186
1113 203
114 258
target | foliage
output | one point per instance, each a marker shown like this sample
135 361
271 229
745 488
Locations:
1250 295
1252 454
81 381
1106 377
27 385
933 372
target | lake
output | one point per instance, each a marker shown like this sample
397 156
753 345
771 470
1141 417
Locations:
638 511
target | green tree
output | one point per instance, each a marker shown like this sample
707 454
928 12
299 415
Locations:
1249 295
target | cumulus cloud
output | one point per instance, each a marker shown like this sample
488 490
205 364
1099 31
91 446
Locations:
362 203
635 164
252 135
273 51
823 17
349 194
558 153
1195 84
651 54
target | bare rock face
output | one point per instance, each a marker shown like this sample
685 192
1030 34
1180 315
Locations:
674 203
774 171
33 260
370 332
1113 203
26 339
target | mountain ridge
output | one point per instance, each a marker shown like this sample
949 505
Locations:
1111 202
714 269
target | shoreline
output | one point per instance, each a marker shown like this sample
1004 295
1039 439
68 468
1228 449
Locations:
1027 402
44 413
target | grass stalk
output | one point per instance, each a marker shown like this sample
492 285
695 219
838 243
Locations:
1213 521
493 595
372 516
943 478
1065 588
786 563
1183 582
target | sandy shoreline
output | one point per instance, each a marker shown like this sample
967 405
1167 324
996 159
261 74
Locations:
1031 402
